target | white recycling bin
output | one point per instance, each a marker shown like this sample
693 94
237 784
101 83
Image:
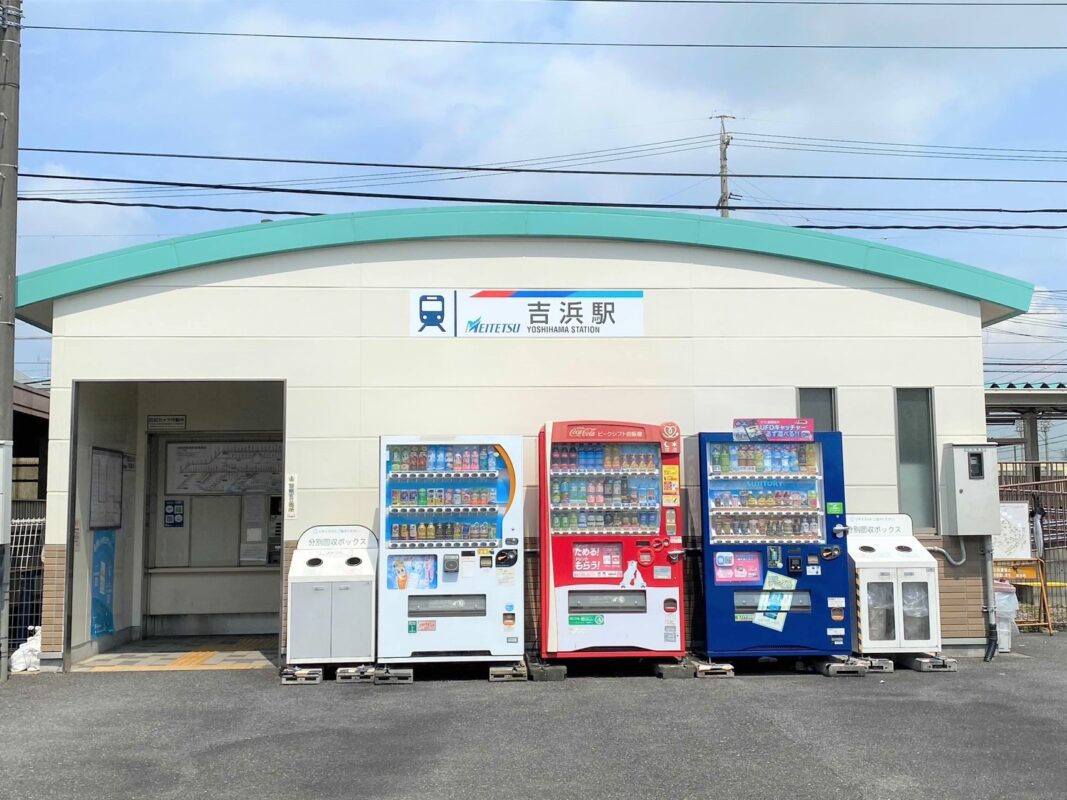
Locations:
897 593
331 608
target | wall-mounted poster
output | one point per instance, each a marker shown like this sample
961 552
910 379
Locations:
105 489
253 467
1013 540
102 618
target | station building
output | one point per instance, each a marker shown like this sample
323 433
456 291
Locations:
216 395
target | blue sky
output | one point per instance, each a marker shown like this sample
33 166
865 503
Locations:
468 104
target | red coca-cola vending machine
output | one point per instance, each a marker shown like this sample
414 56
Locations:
611 540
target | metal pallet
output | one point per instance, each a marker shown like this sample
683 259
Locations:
929 663
387 675
514 672
839 668
877 664
292 676
364 673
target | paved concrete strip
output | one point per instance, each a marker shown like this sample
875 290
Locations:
178 667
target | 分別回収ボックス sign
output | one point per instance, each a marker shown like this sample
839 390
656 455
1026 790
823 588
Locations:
527 313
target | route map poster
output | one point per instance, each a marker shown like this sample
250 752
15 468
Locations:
224 467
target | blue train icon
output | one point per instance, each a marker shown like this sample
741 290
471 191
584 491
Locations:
432 312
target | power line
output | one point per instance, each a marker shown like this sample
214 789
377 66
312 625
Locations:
760 144
532 170
69 201
533 43
176 207
899 144
932 3
511 201
935 227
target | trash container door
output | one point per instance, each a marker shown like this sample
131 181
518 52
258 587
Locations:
918 610
309 622
879 623
352 629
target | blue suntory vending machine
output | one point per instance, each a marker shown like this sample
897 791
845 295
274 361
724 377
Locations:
775 558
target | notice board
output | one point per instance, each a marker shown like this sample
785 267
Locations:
105 489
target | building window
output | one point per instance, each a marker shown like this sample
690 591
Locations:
915 457
819 405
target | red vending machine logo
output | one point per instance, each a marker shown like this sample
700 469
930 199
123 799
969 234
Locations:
611 552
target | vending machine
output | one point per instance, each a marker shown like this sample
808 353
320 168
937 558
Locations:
611 540
450 584
775 560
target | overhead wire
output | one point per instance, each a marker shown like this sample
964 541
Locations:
913 3
414 168
510 201
543 43
183 207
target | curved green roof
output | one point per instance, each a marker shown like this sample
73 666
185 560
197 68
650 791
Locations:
1005 296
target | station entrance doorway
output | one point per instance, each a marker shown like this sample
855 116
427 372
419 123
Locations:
176 524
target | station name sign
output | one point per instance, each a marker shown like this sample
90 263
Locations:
527 313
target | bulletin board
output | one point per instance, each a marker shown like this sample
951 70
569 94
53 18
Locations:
105 489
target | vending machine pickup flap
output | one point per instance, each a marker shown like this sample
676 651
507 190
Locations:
747 602
447 605
607 602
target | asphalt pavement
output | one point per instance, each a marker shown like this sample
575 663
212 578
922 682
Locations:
990 730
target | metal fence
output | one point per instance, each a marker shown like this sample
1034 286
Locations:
1048 494
1012 472
26 589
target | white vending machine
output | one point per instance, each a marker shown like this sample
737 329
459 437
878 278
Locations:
451 562
897 587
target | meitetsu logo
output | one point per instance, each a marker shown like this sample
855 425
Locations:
477 326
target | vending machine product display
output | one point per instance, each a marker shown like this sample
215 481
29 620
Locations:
611 540
775 558
450 582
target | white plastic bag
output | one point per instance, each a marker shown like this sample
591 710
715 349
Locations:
1007 608
27 658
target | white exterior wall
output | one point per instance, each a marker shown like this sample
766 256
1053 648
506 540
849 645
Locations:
726 334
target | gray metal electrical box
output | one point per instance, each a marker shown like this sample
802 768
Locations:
332 596
975 489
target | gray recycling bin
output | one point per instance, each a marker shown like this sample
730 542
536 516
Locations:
331 611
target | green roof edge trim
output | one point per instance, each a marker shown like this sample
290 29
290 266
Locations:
94 272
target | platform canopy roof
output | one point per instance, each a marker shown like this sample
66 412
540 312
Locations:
1001 297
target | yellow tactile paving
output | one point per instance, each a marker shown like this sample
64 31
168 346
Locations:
176 668
193 659
205 653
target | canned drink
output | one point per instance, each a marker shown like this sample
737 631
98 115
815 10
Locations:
440 494
448 496
395 530
422 497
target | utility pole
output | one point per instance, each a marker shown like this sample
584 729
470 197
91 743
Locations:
10 45
724 180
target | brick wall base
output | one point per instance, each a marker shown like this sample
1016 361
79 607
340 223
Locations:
55 587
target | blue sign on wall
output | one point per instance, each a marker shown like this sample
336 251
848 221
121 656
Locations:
174 514
102 619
